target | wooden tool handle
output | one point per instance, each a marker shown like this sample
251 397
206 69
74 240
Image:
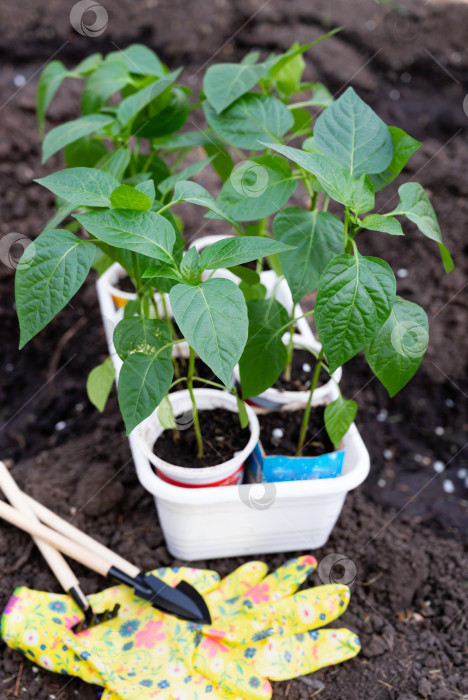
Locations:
65 528
55 560
68 547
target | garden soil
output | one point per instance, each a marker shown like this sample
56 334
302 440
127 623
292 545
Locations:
403 533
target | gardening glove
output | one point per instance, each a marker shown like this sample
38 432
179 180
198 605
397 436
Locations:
142 653
181 651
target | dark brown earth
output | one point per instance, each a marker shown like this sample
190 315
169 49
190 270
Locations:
300 378
317 441
405 534
222 437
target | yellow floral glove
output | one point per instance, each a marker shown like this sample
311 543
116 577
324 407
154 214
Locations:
259 629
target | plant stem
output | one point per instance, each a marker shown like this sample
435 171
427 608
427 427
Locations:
196 422
306 417
140 290
345 232
287 369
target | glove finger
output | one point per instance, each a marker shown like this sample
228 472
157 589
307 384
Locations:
281 583
226 668
234 585
204 580
283 658
306 610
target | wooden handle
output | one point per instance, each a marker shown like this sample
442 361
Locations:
65 528
55 560
68 547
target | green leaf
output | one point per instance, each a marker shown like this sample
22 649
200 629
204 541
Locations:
155 272
446 258
89 64
236 251
130 106
84 153
49 82
386 224
396 351
190 266
189 139
116 163
165 120
81 186
59 216
225 82
143 232
415 205
222 161
213 318
257 188
334 179
126 197
243 415
64 134
59 267
321 97
167 185
186 191
265 354
147 188
253 291
144 381
140 334
315 238
339 415
354 299
351 133
250 277
166 415
403 148
108 79
99 384
250 118
139 60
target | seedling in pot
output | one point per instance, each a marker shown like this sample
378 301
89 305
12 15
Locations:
352 155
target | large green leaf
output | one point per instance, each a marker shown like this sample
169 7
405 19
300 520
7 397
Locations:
339 415
87 152
403 148
168 183
140 334
109 78
130 106
163 119
250 118
314 237
236 251
396 351
188 139
88 187
115 163
126 197
49 82
225 82
64 134
139 60
143 232
265 354
257 188
354 299
99 383
144 380
186 191
213 318
334 179
89 64
59 267
351 133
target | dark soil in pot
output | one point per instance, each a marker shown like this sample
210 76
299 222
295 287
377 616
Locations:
302 370
289 423
222 438
125 284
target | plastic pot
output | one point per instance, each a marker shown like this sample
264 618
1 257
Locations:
224 474
274 399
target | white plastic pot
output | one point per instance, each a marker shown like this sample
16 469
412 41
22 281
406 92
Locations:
274 399
224 474
251 519
108 283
